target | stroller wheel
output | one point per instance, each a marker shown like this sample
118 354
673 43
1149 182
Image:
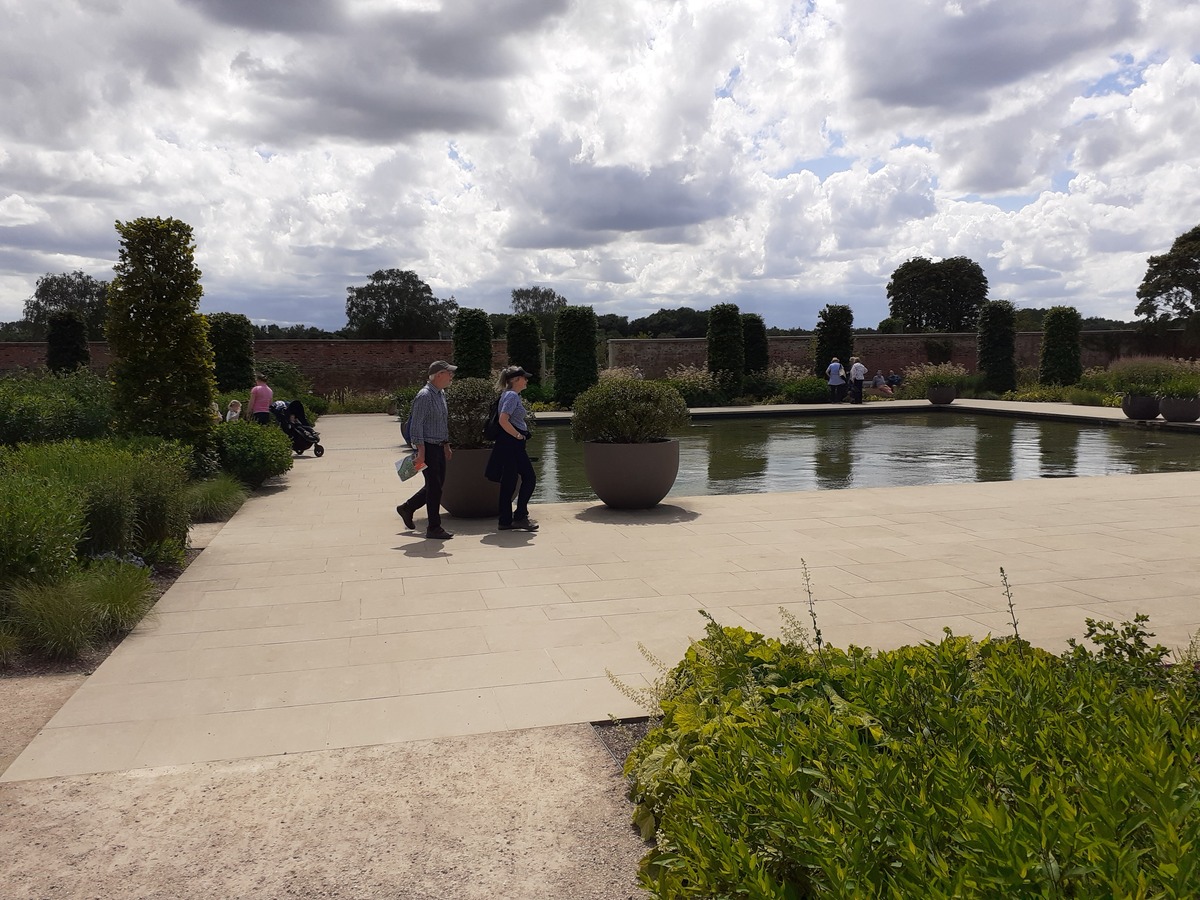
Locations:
318 450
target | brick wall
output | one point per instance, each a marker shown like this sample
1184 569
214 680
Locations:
382 365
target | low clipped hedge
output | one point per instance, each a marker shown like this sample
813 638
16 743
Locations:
253 453
953 769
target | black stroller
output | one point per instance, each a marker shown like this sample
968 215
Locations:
295 424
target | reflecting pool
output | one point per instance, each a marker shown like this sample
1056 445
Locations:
741 456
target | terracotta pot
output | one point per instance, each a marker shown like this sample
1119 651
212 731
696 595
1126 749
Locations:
631 476
1180 409
468 494
940 394
1140 406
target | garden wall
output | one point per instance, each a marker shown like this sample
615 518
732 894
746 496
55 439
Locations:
383 365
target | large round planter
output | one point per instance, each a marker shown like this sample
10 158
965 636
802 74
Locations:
468 494
940 394
1180 409
1140 406
631 476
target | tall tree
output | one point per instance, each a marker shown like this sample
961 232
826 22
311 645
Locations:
397 304
1061 361
683 322
542 303
1171 288
67 342
937 296
997 345
473 344
74 291
834 336
754 341
232 339
726 348
162 362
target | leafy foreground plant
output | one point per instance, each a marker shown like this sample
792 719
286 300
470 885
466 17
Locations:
953 769
217 499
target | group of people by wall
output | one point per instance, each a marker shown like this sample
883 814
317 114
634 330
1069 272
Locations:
850 383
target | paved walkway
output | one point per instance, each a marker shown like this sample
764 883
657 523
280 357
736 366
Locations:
314 621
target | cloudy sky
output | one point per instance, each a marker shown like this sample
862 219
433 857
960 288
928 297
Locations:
631 154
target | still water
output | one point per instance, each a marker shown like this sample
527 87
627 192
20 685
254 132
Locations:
745 456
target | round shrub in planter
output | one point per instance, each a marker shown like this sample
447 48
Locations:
1179 397
628 457
467 493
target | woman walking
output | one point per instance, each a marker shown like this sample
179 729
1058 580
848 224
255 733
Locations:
510 459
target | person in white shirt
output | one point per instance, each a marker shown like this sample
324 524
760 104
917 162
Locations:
858 374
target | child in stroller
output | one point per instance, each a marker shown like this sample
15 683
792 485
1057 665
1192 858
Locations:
295 425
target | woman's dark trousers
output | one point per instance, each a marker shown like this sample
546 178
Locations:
516 465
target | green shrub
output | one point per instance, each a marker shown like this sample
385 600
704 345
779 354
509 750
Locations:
216 499
67 342
628 411
284 378
1083 397
809 389
726 346
403 398
997 345
41 526
472 344
52 619
954 769
1184 385
755 345
524 340
252 453
698 387
345 401
1061 354
575 367
468 406
1142 375
132 492
232 339
43 408
918 379
119 594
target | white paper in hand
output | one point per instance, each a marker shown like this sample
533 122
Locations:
406 467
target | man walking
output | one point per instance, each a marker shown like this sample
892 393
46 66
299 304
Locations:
430 436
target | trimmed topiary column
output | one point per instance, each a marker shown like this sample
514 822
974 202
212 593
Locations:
525 345
67 342
754 343
575 366
726 350
232 339
473 344
1061 360
997 345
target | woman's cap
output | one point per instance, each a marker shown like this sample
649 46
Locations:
514 372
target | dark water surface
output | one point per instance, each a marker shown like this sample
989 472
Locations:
747 456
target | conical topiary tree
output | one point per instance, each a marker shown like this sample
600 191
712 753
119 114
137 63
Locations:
232 339
524 340
575 366
162 364
997 345
834 336
726 351
473 344
755 344
1061 359
67 342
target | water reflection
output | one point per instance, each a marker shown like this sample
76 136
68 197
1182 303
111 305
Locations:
732 456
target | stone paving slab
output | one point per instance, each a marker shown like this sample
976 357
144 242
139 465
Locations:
313 620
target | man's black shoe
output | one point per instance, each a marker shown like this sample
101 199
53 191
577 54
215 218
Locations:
438 534
407 516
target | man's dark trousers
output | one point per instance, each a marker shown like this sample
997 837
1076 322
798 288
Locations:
435 478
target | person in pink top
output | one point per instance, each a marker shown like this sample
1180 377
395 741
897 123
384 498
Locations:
260 401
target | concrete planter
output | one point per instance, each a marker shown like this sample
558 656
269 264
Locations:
1140 406
1180 409
631 476
468 494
